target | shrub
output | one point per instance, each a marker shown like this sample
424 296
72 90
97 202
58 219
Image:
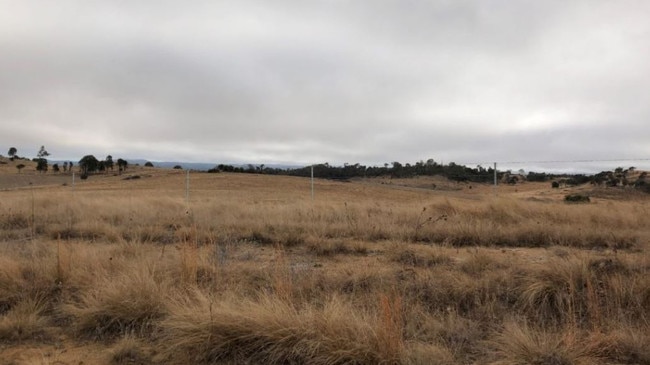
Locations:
576 198
643 186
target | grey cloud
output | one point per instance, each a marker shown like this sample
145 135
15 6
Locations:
336 81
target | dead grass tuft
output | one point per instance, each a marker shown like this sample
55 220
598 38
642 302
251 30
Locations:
128 303
519 344
409 255
130 350
625 345
25 320
213 330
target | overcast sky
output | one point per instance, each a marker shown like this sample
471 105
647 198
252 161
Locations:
327 81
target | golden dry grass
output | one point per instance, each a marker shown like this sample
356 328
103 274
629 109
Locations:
250 270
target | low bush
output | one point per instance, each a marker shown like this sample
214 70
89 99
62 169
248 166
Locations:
576 198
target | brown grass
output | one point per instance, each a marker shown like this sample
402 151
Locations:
520 344
270 330
118 305
253 271
25 320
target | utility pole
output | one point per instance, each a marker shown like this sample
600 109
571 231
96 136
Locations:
312 183
187 186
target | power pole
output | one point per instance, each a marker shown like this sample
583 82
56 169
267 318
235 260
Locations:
187 186
312 183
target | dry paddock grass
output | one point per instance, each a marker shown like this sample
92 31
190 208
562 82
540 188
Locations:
252 271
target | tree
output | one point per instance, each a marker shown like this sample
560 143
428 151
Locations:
55 167
178 167
20 167
65 166
88 163
108 163
41 165
42 153
148 164
41 161
121 165
12 153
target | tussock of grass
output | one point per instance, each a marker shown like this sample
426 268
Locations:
442 290
11 283
128 303
24 321
625 345
329 247
449 332
518 344
14 220
358 282
419 257
572 290
270 331
558 293
26 276
479 262
130 350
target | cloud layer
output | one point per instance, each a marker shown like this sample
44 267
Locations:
336 81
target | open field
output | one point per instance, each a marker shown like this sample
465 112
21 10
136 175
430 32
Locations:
251 270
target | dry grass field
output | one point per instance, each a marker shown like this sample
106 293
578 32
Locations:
250 270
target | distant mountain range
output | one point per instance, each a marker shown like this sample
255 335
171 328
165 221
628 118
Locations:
200 166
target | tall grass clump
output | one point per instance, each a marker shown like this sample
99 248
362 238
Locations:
128 303
559 293
130 350
204 329
519 344
25 320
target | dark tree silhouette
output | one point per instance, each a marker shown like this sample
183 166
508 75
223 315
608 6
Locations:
12 153
41 161
121 165
41 165
108 163
88 163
